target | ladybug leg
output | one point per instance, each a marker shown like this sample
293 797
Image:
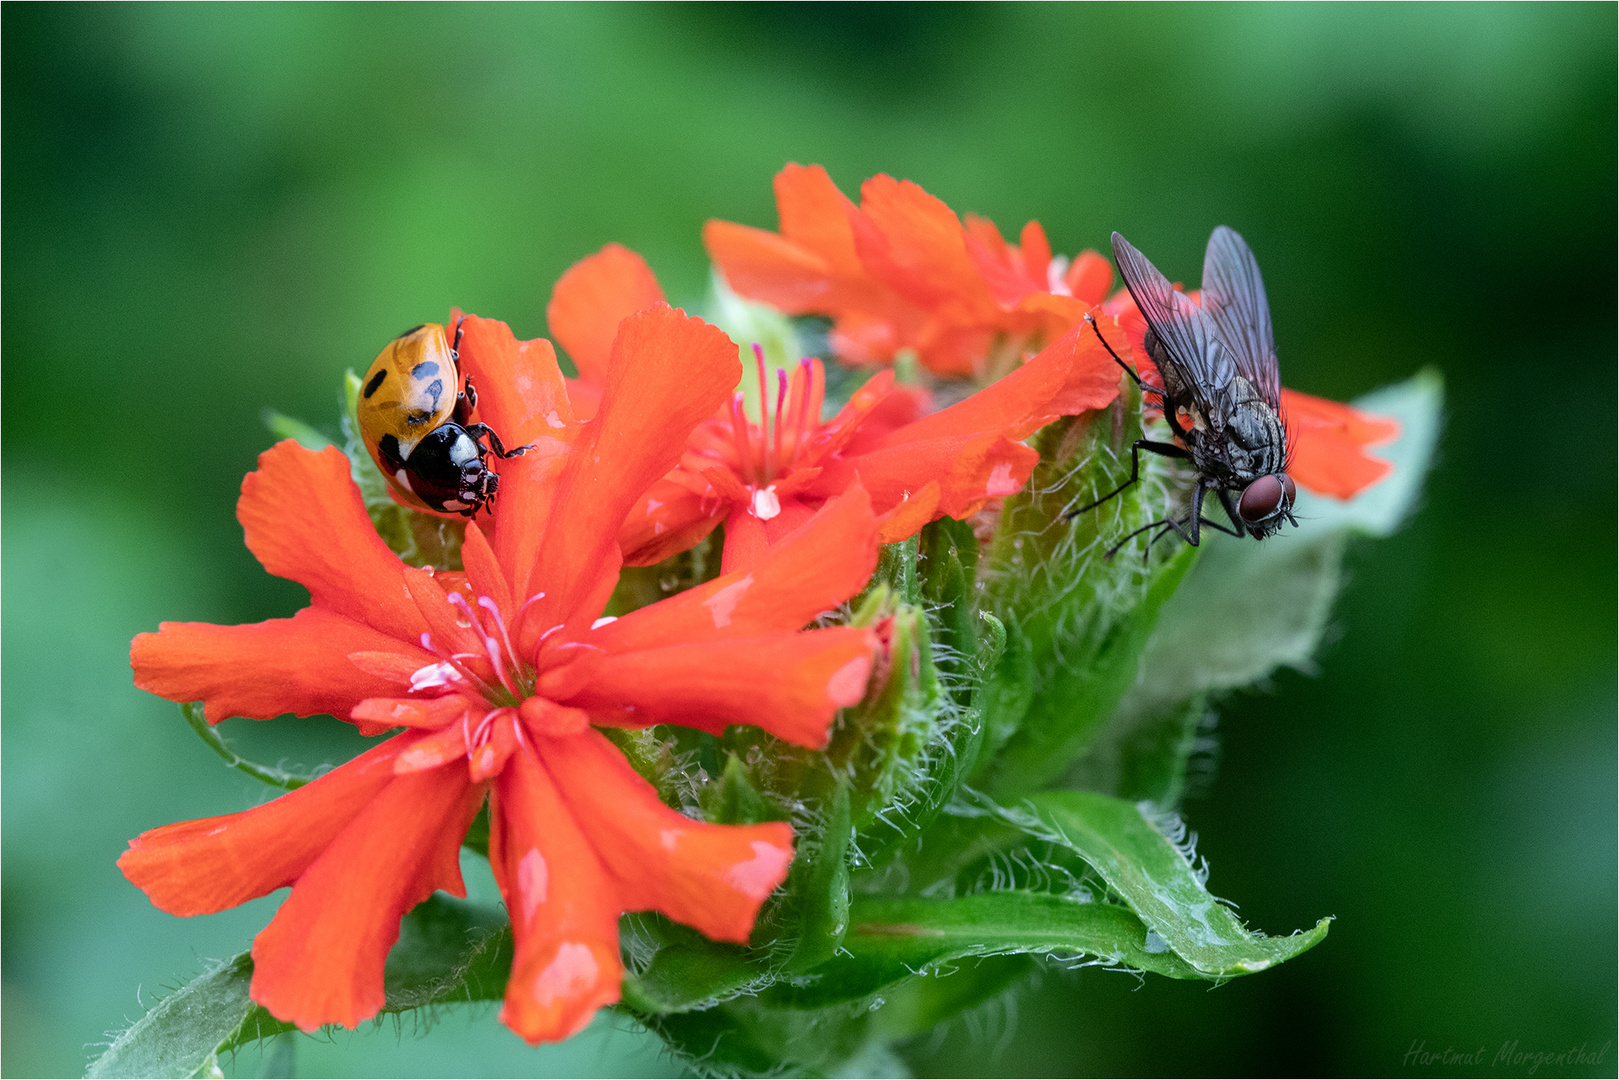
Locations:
465 401
455 346
479 431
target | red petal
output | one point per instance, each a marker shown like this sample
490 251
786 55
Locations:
521 393
1089 278
969 470
1015 405
791 685
1093 374
916 244
592 298
810 572
563 907
772 269
199 867
908 516
712 877
669 519
814 213
305 521
320 960
429 715
746 542
433 749
484 572
299 665
668 373
1327 457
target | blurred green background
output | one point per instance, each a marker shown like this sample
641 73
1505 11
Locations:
210 210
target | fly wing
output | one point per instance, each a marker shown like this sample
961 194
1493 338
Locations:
1234 297
1190 336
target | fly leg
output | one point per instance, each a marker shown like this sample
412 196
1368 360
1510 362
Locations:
480 431
1128 370
1191 531
1152 446
1231 512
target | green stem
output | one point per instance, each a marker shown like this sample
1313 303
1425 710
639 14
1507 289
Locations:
192 711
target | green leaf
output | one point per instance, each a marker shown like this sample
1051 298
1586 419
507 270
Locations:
183 1033
1159 883
1380 510
448 950
894 939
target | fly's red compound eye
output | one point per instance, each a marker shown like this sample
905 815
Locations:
1288 490
1264 498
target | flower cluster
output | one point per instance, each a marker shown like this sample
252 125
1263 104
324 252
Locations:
502 681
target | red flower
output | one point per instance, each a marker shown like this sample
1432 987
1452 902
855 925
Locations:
900 271
501 677
766 479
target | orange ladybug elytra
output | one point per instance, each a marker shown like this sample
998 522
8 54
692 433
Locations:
414 423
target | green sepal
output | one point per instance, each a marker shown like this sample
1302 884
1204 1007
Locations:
918 1006
448 950
283 426
947 566
1082 673
1076 619
819 884
734 800
680 970
208 733
655 752
747 1037
1156 878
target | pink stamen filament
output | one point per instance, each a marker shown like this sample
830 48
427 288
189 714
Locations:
781 400
454 660
739 434
497 659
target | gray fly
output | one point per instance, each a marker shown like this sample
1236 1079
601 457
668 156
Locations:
1221 392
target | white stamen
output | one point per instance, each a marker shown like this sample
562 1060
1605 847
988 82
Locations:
433 676
765 503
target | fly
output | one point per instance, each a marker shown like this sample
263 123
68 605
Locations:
1221 392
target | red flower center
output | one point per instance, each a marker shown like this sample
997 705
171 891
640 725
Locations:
767 450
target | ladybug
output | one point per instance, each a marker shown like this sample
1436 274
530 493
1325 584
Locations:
415 425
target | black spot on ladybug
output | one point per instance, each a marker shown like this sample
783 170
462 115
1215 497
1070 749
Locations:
376 381
411 331
435 388
424 370
388 447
